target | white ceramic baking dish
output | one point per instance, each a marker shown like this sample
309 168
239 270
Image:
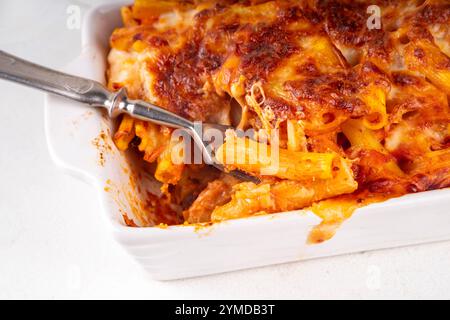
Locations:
183 251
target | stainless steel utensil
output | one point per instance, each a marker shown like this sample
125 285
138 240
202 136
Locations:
94 94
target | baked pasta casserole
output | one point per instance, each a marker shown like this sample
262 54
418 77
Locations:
362 111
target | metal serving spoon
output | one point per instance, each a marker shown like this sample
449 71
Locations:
95 94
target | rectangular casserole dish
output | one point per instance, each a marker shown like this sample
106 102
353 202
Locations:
80 142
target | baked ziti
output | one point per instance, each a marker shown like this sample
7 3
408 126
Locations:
361 112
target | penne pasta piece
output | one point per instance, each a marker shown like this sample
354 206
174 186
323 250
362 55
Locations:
249 198
296 138
365 139
127 17
426 58
292 195
153 139
148 10
375 99
360 136
166 171
125 133
257 158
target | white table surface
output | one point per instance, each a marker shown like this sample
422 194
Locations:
54 244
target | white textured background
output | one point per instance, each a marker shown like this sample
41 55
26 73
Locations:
53 243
